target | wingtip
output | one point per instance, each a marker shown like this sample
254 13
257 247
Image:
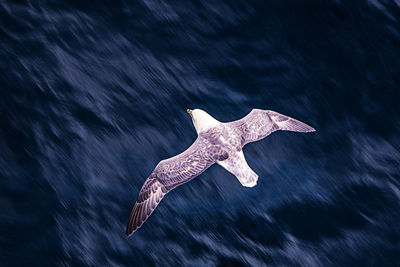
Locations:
306 128
129 230
128 233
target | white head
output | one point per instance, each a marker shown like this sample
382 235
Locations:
202 121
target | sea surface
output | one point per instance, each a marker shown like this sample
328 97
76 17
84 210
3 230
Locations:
94 94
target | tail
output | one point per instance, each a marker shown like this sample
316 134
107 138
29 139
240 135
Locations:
287 123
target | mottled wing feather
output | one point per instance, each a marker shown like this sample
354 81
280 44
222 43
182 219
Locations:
286 123
261 123
189 164
168 174
149 197
254 126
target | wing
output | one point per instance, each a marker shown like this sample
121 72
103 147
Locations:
167 175
149 197
261 123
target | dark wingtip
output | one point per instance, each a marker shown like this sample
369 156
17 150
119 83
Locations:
127 233
130 230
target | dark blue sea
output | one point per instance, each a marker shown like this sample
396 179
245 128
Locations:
94 94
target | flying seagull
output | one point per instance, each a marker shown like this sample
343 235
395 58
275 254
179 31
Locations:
217 142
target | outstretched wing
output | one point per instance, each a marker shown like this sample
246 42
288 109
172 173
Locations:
149 197
261 123
170 173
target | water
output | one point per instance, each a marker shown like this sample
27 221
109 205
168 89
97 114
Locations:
94 94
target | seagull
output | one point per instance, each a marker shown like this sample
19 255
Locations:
217 142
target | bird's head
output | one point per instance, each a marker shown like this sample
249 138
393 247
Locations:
202 121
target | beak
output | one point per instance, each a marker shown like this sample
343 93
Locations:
189 111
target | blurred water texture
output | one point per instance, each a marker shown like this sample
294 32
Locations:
93 95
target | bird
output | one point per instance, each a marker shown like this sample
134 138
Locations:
217 142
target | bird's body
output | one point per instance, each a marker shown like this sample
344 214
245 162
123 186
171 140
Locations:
217 142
